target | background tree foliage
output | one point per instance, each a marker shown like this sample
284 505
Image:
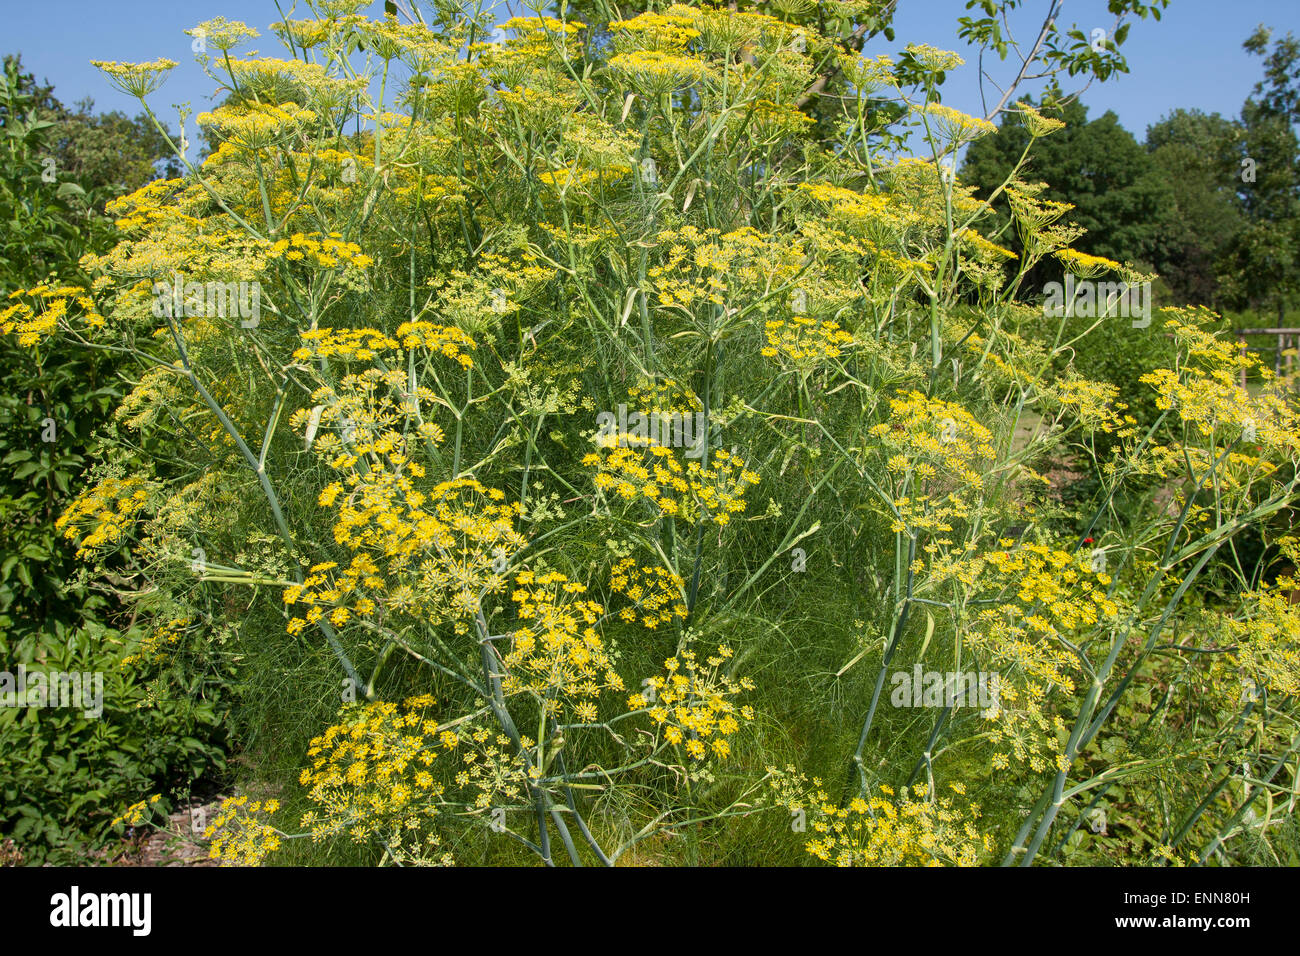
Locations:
62 775
1123 201
1208 203
1259 268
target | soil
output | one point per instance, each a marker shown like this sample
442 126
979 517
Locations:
180 843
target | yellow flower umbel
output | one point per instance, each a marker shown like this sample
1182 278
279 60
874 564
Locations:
222 34
665 398
654 474
671 30
1207 394
370 773
904 829
694 707
1268 640
932 58
1038 124
384 772
1084 265
655 593
1095 405
50 306
155 647
325 252
1036 603
700 268
654 72
431 555
643 463
954 127
138 813
867 74
101 517
1038 222
365 345
240 835
257 125
136 79
556 655
420 548
802 342
935 453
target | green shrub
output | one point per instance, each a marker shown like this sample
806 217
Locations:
63 776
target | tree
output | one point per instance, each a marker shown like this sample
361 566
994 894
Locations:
107 154
1198 155
48 217
111 151
1120 197
1260 267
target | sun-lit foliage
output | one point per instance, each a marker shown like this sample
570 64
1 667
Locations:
393 470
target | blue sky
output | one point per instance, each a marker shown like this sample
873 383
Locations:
1192 58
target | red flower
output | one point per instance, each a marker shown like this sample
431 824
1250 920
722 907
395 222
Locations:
1087 540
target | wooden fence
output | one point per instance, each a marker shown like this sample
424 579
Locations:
1286 339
